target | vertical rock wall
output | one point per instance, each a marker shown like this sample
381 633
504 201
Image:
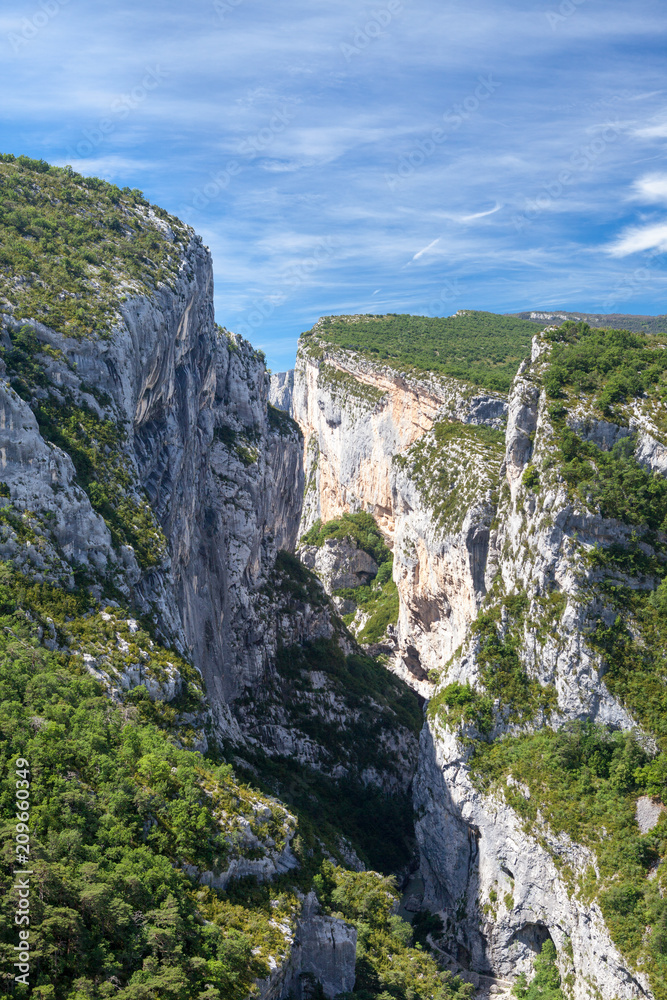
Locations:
499 887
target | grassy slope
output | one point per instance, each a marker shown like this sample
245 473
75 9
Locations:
483 348
454 467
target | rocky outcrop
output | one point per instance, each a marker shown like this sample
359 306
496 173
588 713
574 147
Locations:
459 504
476 854
444 497
40 479
323 950
281 390
308 710
356 415
339 563
478 857
363 425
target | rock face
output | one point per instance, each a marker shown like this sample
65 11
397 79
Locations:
475 851
339 563
306 713
41 478
323 949
281 390
364 427
223 481
440 552
453 497
356 416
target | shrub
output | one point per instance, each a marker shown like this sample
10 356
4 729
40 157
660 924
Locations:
531 478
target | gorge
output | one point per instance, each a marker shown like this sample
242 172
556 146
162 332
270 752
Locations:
296 657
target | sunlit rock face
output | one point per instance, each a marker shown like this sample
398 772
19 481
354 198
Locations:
364 427
453 498
223 480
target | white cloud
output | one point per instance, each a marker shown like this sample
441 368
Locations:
420 253
658 131
640 238
652 187
481 215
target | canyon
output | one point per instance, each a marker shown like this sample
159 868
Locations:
230 537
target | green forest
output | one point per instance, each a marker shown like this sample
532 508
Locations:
479 347
72 247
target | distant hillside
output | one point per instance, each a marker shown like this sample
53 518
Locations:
615 321
480 347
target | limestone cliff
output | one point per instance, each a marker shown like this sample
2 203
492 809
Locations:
477 512
149 501
190 404
365 427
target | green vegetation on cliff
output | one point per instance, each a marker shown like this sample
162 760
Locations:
117 809
546 983
387 964
345 388
584 781
361 528
613 367
504 680
458 704
479 347
634 654
379 598
455 468
72 247
615 364
93 442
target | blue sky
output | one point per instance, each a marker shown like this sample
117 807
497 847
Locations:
340 157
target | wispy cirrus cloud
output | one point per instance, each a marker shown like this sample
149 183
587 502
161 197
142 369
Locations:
322 175
652 187
482 215
425 250
648 190
638 238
